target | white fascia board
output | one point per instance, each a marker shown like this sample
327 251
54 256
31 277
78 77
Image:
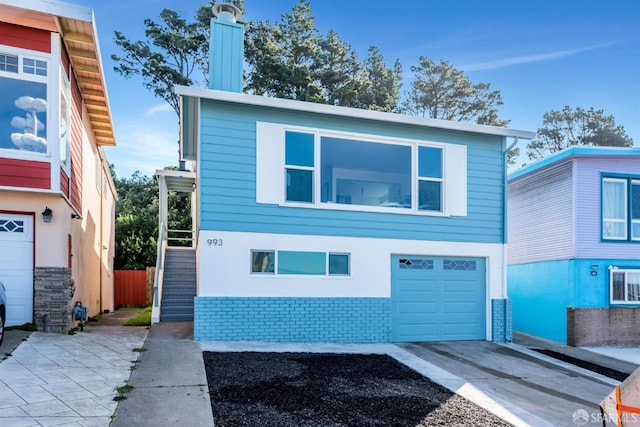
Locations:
311 107
53 7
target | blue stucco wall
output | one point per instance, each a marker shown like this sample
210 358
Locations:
362 320
541 292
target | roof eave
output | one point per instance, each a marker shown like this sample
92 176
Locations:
288 104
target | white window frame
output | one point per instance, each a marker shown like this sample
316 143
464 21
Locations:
65 92
628 221
275 273
625 271
633 221
52 111
271 171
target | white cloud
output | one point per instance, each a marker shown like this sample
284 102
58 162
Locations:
145 145
549 56
159 108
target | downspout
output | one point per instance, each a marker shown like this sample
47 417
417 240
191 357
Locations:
505 155
101 224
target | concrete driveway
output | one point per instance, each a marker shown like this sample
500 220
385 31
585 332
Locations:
536 389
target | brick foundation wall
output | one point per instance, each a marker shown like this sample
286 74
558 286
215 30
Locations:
53 299
603 326
501 320
363 320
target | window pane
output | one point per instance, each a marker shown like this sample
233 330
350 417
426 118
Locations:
299 149
430 162
617 286
299 185
635 210
633 286
365 173
613 199
262 261
339 264
430 196
312 263
614 212
9 63
64 141
23 115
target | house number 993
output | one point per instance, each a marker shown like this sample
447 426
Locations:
214 242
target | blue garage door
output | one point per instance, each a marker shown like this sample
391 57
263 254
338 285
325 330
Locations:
438 299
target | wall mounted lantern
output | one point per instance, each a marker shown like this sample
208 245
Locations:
75 216
47 214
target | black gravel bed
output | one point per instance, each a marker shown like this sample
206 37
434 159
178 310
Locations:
593 367
319 389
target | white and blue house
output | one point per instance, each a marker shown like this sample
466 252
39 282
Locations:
319 223
574 246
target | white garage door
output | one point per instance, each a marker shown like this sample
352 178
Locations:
16 266
438 299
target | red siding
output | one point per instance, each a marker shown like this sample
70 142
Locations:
75 187
66 64
64 182
25 173
25 37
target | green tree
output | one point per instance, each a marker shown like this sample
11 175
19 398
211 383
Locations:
568 127
136 227
441 91
174 52
380 88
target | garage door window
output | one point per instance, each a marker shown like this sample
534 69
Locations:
11 226
450 264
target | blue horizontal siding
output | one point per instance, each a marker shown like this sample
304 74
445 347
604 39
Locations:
228 173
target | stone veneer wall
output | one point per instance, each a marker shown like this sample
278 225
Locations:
603 326
53 299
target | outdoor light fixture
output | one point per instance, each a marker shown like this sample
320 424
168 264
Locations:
47 214
75 216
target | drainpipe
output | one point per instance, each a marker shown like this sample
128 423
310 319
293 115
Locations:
101 225
505 153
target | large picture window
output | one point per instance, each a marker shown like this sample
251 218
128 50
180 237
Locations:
24 104
326 169
362 173
625 286
620 209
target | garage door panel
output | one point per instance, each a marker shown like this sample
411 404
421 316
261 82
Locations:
438 299
408 285
16 266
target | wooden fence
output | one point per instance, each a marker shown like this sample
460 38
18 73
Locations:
131 287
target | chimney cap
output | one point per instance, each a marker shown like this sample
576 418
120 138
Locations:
226 12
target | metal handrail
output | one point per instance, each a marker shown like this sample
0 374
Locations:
187 239
159 276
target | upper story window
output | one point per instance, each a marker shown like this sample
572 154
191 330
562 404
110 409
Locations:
624 286
323 169
23 105
621 208
64 120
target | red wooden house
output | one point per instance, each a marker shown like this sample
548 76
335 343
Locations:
57 198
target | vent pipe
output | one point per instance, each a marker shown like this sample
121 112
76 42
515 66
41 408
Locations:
226 12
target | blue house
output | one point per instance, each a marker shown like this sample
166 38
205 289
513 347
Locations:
319 223
574 246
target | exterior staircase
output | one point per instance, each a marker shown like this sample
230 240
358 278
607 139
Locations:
179 285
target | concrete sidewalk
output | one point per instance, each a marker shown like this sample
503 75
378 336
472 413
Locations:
169 382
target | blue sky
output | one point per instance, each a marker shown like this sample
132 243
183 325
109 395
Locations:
541 55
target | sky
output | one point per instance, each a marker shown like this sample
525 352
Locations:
541 55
